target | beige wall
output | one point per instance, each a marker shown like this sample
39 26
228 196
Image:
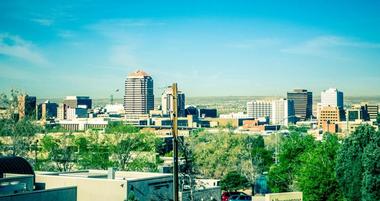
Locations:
88 189
294 196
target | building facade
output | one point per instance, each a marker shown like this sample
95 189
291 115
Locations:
139 97
27 106
167 104
303 103
329 115
332 97
371 111
78 102
259 109
283 112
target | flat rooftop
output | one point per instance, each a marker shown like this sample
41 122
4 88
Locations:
103 174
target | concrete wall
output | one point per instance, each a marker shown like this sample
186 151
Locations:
293 196
88 189
59 194
209 194
151 189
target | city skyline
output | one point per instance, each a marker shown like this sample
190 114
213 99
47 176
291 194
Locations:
58 49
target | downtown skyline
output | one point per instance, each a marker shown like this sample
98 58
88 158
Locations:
235 48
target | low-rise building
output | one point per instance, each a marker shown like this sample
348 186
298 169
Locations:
100 185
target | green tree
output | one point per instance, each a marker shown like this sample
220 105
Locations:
120 127
21 132
358 165
128 147
93 152
282 175
233 181
316 176
378 119
60 152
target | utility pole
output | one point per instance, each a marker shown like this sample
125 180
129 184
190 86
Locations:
175 142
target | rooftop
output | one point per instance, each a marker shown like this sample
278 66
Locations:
138 73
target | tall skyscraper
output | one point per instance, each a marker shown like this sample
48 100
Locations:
167 102
282 112
332 97
303 103
139 97
259 109
27 106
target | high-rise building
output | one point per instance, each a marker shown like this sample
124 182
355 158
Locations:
167 104
61 111
259 109
303 103
283 112
139 97
370 112
27 106
329 117
354 114
332 97
78 102
47 110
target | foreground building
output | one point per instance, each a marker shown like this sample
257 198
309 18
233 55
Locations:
303 103
100 185
139 97
17 183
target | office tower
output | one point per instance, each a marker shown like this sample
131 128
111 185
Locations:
74 113
370 112
283 112
332 97
139 97
303 103
329 117
47 110
78 102
258 109
208 113
167 102
61 111
353 114
27 106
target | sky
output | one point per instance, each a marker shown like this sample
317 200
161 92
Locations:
210 48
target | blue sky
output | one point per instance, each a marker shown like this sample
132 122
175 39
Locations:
211 48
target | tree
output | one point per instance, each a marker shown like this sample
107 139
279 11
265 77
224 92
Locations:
282 175
120 127
256 159
233 181
378 119
316 176
93 151
61 152
21 132
128 147
358 165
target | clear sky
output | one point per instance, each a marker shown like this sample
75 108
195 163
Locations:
211 48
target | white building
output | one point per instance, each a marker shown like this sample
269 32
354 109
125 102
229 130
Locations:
114 108
282 112
237 115
168 105
259 108
332 97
